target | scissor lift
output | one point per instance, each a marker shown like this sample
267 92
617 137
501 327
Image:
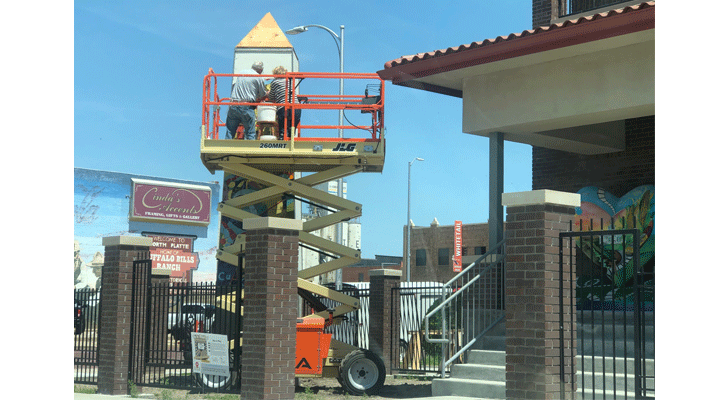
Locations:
321 152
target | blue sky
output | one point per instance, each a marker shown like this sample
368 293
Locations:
139 65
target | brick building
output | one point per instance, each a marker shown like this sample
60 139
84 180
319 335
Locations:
432 249
360 272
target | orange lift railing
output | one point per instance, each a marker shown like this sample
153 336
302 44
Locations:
370 101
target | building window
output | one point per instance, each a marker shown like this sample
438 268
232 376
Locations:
464 251
420 258
480 250
444 256
361 277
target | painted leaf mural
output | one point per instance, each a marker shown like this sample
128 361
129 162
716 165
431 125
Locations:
612 255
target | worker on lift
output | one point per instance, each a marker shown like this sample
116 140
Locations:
277 95
246 89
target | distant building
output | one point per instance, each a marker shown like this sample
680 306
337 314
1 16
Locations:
360 272
432 250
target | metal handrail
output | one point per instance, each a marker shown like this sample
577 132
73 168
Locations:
500 256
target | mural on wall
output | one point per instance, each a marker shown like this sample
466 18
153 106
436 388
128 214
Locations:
86 274
102 204
608 275
235 186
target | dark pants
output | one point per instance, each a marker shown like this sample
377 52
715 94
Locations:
241 115
280 121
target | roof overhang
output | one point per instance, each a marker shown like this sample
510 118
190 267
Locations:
567 86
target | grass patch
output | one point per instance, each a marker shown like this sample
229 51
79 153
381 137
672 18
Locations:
132 389
84 389
221 396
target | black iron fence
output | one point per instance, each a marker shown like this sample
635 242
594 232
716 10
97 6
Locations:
416 354
614 308
87 313
163 319
416 299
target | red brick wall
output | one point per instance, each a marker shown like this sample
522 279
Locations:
114 328
383 306
618 172
532 304
270 314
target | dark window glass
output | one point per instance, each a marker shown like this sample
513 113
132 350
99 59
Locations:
420 258
444 256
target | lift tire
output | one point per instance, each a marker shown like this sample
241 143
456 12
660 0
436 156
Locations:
362 372
217 383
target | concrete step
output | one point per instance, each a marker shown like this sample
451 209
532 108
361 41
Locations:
617 365
609 381
588 394
490 342
593 316
468 388
617 347
477 371
487 357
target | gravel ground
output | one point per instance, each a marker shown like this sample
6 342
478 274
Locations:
309 389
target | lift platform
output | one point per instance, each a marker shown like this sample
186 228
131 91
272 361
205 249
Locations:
290 162
312 147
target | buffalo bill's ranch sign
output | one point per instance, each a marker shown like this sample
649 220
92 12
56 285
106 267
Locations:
169 202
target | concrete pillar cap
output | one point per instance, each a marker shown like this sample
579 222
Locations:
272 222
127 241
386 272
540 197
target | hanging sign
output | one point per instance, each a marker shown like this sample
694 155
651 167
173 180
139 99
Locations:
457 247
175 254
169 202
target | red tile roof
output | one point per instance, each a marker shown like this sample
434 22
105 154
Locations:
642 17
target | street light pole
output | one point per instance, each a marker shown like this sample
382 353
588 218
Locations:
340 43
407 247
341 53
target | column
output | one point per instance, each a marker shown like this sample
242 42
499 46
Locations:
115 319
270 308
533 345
384 314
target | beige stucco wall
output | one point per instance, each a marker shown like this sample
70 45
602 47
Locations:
589 87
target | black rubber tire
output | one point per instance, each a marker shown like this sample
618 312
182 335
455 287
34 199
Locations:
219 383
362 372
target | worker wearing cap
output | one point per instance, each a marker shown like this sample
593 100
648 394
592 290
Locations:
246 89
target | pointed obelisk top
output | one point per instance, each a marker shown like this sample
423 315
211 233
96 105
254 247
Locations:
265 34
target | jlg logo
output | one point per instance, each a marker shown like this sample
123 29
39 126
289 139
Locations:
345 147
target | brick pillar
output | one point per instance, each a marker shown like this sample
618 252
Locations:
270 308
534 221
115 322
384 314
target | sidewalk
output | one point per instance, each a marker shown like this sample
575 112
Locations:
86 396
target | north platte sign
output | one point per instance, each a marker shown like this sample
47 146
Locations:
175 254
169 202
